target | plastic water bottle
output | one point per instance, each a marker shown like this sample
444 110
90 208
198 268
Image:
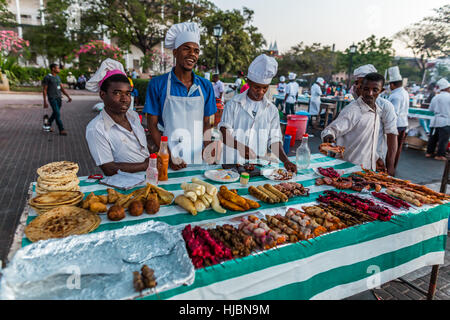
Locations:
303 154
151 175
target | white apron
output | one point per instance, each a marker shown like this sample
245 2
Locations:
314 105
183 125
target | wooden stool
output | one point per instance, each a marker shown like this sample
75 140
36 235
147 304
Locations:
330 109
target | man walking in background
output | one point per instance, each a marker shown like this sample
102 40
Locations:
291 96
52 91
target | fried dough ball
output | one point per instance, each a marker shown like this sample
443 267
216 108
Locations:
116 213
152 204
136 208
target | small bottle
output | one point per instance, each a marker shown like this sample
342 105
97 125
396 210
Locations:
151 175
245 179
303 154
164 155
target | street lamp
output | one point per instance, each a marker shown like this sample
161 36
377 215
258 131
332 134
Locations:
352 49
217 31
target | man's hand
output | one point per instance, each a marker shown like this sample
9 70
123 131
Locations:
292 167
45 105
247 153
69 99
177 164
380 166
328 139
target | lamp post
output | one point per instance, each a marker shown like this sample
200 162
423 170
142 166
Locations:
217 31
352 52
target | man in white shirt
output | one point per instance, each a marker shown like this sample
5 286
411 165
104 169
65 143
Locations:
281 88
387 140
219 89
357 126
440 124
291 97
250 124
116 138
316 93
399 97
239 83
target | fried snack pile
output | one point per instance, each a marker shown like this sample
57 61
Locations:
329 149
144 280
232 201
278 193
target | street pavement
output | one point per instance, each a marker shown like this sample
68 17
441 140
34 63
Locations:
25 147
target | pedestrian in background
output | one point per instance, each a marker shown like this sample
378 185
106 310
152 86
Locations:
291 96
52 91
440 124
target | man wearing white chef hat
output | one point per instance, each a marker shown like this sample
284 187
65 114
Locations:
281 88
291 96
115 137
387 141
180 103
440 124
316 93
250 125
400 99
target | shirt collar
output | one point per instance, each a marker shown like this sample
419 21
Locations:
365 107
109 122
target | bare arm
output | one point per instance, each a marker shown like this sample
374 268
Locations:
110 169
44 93
392 144
66 94
278 148
231 142
152 125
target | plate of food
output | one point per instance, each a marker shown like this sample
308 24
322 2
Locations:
332 150
252 169
278 174
328 172
222 175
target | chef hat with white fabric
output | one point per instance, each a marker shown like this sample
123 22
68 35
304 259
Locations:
321 81
292 76
394 74
181 33
108 68
363 71
282 79
443 84
262 69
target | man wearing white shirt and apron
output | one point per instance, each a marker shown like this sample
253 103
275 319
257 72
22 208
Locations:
180 103
400 99
440 124
291 96
250 124
316 93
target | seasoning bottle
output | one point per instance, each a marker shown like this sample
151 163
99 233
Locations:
152 170
245 178
163 154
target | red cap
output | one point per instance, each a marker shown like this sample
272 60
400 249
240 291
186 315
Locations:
164 139
305 136
153 156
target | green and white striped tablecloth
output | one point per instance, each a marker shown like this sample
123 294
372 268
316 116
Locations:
420 113
334 266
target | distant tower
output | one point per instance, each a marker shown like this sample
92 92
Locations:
273 49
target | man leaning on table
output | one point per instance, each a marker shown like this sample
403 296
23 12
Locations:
181 103
358 126
116 138
387 140
250 124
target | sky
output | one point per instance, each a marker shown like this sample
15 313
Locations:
339 22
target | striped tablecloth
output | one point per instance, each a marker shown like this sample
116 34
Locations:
420 113
334 266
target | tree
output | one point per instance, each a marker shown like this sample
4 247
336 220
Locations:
428 38
140 23
94 52
239 44
378 52
316 59
6 17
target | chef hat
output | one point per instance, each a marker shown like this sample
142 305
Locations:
108 68
394 74
262 69
443 84
363 71
292 76
181 33
321 81
282 78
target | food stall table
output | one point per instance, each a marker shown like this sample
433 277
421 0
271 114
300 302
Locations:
333 266
420 113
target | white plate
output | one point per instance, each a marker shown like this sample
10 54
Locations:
222 175
316 171
268 173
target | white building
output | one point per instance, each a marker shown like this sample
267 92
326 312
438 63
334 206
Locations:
28 12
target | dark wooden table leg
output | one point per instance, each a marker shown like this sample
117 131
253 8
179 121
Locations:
433 282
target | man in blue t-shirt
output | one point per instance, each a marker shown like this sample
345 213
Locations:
180 103
52 89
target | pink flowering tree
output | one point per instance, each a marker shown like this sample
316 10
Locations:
91 54
11 48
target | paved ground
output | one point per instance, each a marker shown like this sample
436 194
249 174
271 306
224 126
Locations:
25 147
